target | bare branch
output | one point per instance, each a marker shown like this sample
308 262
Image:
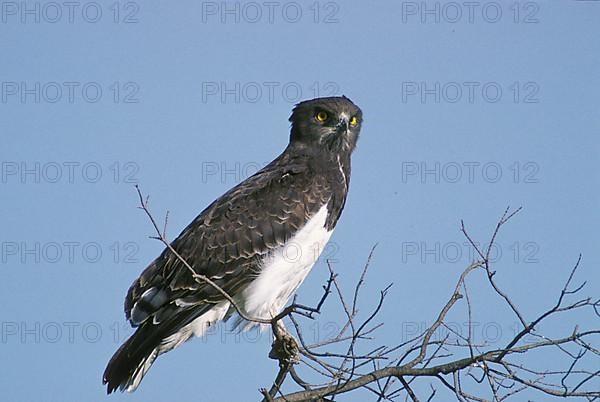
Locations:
493 367
436 359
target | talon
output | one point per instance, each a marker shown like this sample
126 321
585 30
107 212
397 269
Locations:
285 349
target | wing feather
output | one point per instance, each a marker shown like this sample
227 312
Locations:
228 239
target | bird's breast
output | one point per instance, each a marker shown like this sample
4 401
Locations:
285 268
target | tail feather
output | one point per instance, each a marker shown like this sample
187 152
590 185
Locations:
134 358
131 362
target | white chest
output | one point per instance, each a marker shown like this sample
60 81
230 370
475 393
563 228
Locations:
285 269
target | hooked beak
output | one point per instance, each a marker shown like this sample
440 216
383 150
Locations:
342 125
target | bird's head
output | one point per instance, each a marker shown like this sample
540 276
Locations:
328 123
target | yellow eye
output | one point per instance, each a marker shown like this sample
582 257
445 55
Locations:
353 121
321 116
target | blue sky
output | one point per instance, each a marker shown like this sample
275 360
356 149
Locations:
466 111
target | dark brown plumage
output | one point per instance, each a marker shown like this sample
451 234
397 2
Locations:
229 241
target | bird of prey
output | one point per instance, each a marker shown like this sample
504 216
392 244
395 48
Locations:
257 242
